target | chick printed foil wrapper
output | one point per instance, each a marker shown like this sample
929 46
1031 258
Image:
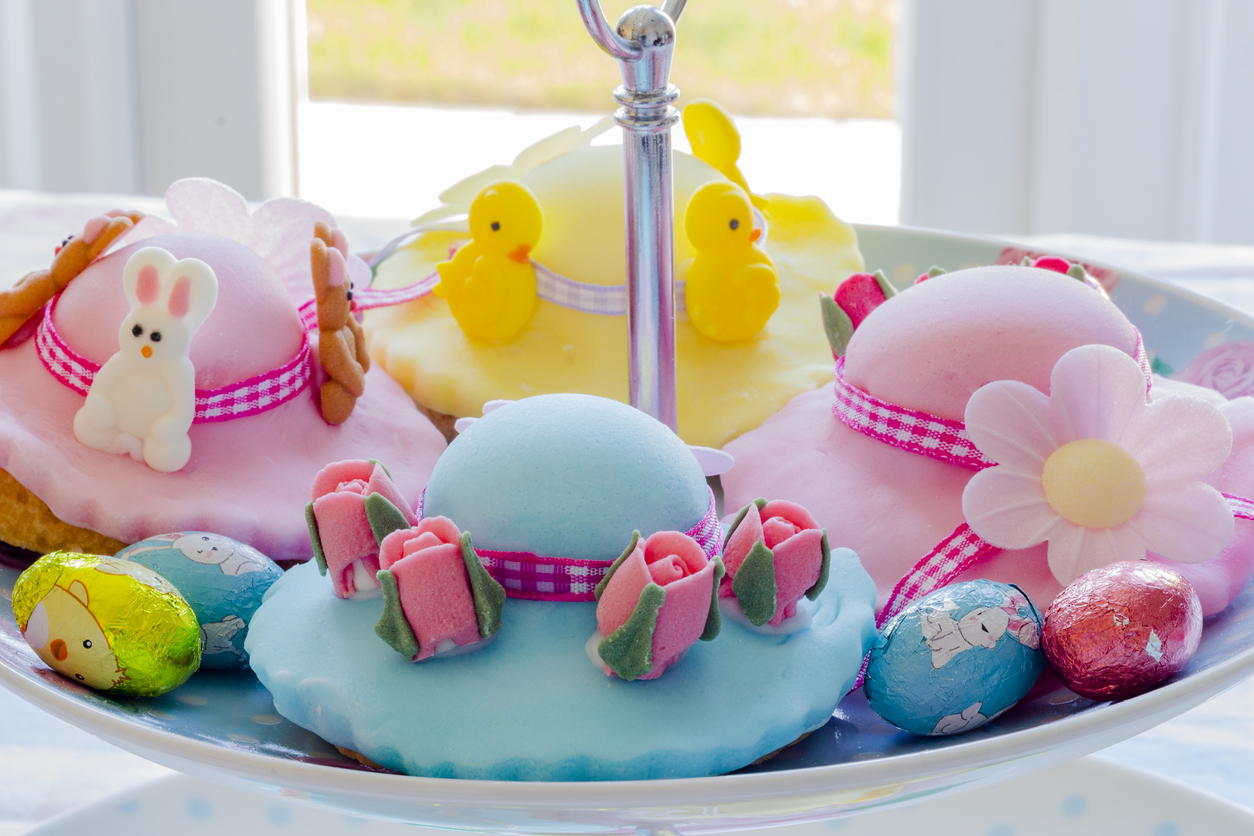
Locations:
111 624
956 658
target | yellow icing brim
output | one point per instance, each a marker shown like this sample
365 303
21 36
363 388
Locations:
724 389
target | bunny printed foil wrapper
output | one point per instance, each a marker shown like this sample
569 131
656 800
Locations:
222 580
955 659
109 624
355 506
437 597
774 553
143 400
655 602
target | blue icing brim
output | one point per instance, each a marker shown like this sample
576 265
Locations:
530 706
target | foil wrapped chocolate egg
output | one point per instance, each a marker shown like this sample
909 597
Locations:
110 624
223 580
1122 629
956 658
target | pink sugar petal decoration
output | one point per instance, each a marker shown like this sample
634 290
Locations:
667 570
441 527
338 473
1177 457
345 535
776 530
1008 509
1185 523
1052 262
435 596
381 484
738 545
665 545
425 540
619 598
798 561
1015 425
858 295
1099 388
681 620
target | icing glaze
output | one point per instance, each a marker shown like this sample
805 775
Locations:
529 706
929 349
724 389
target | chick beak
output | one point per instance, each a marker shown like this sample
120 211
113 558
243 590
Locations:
521 253
754 236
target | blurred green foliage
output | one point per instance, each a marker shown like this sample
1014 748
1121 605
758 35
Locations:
793 57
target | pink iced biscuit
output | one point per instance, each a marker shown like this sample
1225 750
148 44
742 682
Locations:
796 544
687 577
247 478
928 349
435 595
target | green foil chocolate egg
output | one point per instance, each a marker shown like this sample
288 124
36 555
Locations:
110 624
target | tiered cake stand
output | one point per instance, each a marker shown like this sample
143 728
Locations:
223 726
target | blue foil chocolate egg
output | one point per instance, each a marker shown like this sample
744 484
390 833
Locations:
223 580
956 658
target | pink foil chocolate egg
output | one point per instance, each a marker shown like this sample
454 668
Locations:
1122 629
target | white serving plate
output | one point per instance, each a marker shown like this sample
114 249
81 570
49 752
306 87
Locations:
1088 798
223 726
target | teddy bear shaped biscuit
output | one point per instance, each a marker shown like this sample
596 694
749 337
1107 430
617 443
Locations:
341 342
34 290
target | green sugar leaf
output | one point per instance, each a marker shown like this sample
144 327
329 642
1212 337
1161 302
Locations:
312 522
488 594
629 650
836 324
754 584
604 582
383 516
714 621
393 627
825 569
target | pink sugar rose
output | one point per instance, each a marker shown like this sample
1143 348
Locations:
655 602
774 554
1228 368
437 597
354 506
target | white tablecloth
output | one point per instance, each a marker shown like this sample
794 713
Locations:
47 766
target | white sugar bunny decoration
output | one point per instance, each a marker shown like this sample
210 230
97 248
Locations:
143 400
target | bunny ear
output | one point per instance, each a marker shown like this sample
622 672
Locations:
193 292
141 278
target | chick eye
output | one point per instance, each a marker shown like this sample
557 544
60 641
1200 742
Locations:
79 676
87 643
155 336
735 223
138 330
496 226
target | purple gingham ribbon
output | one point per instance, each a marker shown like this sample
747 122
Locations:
540 578
940 438
248 397
369 297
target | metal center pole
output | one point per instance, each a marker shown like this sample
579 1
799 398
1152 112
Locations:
643 42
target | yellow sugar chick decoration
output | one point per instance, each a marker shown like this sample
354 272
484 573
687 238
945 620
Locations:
715 140
490 285
732 285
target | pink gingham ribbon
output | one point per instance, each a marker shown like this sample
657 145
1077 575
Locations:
908 429
248 397
940 438
540 578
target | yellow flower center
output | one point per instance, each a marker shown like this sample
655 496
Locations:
1094 483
